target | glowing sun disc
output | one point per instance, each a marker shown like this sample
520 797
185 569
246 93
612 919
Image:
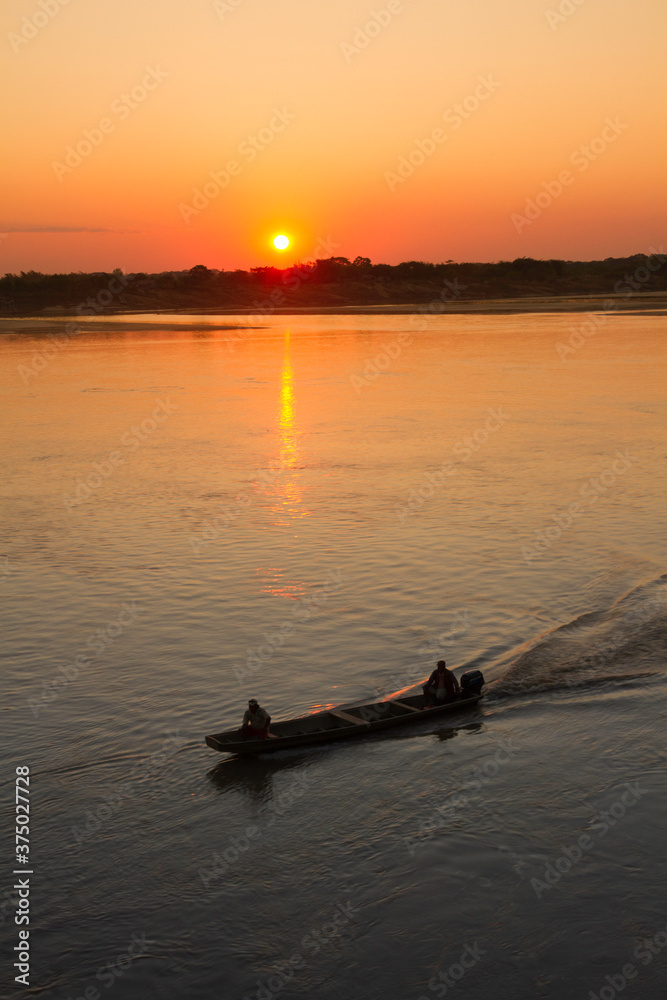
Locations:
281 243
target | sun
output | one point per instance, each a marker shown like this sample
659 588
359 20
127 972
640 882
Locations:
281 243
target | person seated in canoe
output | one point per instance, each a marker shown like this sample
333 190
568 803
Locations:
441 687
256 721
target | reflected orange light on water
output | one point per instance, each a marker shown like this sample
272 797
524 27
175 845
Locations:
288 442
273 581
288 489
286 503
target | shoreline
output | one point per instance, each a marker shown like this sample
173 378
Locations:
643 303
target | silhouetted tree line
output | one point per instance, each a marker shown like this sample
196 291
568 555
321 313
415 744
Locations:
328 282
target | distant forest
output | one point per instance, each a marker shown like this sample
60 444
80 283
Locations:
331 282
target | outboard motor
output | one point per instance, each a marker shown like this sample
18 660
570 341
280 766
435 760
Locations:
471 682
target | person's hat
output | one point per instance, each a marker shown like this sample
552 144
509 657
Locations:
253 701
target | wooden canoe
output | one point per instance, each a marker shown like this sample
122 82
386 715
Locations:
339 724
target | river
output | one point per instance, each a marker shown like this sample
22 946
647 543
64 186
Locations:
312 510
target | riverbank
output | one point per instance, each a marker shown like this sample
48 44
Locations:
648 303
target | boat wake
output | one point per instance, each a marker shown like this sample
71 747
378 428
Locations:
625 641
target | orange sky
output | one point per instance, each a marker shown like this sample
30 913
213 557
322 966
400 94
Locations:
398 130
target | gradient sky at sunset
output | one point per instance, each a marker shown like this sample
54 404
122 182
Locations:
316 117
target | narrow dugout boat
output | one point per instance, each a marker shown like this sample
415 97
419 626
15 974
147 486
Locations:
345 723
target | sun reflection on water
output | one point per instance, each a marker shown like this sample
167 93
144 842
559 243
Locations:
286 503
288 490
287 430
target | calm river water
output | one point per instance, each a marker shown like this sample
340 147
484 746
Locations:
312 512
